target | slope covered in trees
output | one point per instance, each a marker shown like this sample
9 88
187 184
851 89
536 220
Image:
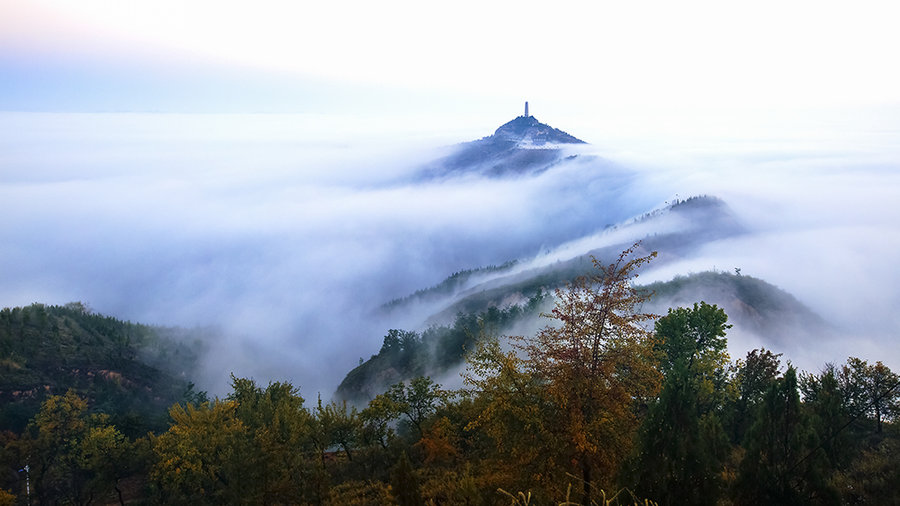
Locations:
131 372
758 307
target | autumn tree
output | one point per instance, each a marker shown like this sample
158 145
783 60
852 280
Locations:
111 457
511 407
246 448
200 459
598 366
73 456
57 430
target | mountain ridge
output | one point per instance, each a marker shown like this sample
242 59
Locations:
510 297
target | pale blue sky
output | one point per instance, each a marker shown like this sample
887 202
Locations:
465 57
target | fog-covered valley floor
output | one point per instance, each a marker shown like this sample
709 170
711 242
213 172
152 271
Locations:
286 232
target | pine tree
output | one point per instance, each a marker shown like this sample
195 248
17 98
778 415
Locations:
784 463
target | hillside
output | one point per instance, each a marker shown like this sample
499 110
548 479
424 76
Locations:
509 298
753 305
675 231
130 371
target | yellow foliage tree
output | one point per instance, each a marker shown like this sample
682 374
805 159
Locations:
569 396
200 459
74 457
514 412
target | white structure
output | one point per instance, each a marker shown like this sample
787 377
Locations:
526 108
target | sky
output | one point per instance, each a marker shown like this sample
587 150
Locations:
247 164
307 57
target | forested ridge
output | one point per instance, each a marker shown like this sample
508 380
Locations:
604 405
131 371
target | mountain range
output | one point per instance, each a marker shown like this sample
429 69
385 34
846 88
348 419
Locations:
445 317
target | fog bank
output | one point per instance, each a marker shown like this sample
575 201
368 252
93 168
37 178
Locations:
285 231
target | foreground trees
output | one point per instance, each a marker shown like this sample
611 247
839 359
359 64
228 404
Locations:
255 446
263 446
596 408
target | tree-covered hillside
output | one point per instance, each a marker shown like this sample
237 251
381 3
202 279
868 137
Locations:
675 231
758 307
405 354
608 406
132 372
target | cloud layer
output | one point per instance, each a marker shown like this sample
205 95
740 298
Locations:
286 231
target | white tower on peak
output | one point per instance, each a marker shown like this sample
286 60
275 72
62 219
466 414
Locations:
526 108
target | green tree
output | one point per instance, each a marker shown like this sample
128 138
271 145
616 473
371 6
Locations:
679 458
750 381
872 477
784 463
695 339
278 427
871 391
415 401
825 397
343 425
376 421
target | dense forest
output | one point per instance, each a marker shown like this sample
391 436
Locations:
132 372
604 405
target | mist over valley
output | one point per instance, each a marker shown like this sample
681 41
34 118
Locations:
287 233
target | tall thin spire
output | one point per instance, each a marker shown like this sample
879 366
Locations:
526 108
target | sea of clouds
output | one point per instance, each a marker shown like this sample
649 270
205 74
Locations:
287 231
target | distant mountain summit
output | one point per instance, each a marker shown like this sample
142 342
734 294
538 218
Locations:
528 131
523 146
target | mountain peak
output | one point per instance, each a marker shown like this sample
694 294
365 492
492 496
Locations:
529 130
523 145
